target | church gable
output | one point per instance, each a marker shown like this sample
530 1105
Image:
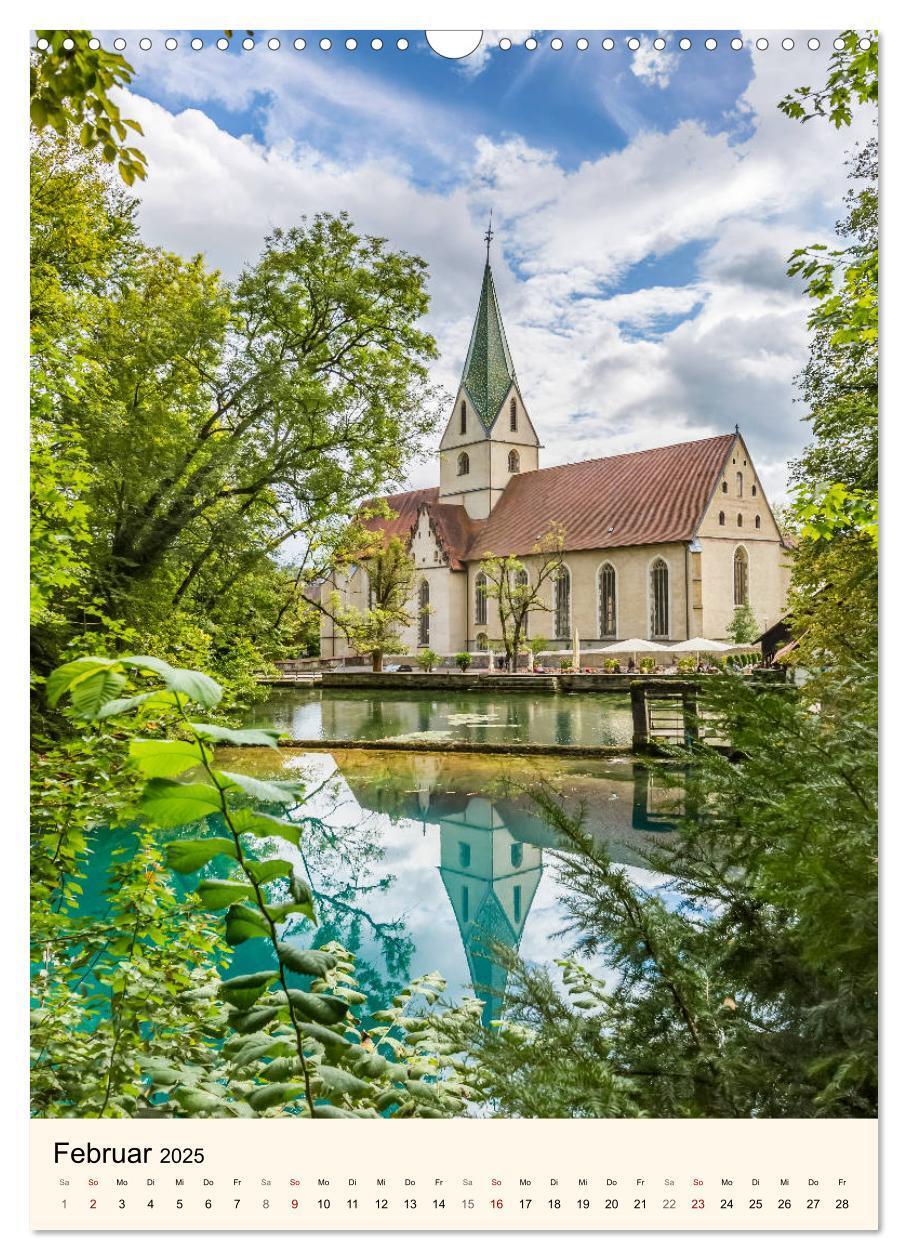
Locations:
738 507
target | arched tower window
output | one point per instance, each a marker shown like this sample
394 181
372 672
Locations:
721 518
740 520
463 416
740 576
757 521
725 487
658 599
562 585
513 462
482 602
513 415
424 613
463 464
608 606
753 491
739 484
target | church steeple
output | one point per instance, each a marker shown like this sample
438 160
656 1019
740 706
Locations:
488 373
489 437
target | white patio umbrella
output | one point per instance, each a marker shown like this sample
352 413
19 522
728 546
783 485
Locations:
698 645
634 647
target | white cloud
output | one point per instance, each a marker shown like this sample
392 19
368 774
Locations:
478 60
597 369
652 66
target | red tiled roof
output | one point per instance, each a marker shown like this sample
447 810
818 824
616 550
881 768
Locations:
621 501
455 530
407 506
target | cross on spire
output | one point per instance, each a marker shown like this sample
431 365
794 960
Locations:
488 236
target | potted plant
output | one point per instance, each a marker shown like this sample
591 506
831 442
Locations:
687 665
464 660
428 659
611 665
647 664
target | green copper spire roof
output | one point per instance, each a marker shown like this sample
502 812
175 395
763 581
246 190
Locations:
488 373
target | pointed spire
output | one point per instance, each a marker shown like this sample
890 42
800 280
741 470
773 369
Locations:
488 373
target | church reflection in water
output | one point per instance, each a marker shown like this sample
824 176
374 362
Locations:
492 843
491 877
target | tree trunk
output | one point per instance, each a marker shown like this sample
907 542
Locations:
377 661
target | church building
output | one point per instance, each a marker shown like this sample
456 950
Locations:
662 544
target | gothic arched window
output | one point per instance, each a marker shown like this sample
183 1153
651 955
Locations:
513 415
562 585
463 464
608 604
753 491
463 417
740 520
740 576
725 487
739 484
482 602
757 522
721 518
658 599
423 613
513 462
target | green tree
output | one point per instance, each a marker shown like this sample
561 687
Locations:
187 433
71 84
742 984
521 586
743 626
390 573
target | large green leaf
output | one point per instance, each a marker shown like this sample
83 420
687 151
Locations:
273 1095
323 1008
326 1036
127 703
252 822
244 736
260 789
163 758
273 868
170 804
66 676
193 1099
252 1020
218 893
243 923
94 692
337 1081
244 991
327 1112
185 856
306 962
189 682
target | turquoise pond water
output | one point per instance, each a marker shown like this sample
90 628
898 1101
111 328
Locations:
591 721
418 860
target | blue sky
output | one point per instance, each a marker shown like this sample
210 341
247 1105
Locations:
645 203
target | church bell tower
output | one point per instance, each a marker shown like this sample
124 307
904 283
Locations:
489 437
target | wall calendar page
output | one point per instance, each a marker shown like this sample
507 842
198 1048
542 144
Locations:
454 629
